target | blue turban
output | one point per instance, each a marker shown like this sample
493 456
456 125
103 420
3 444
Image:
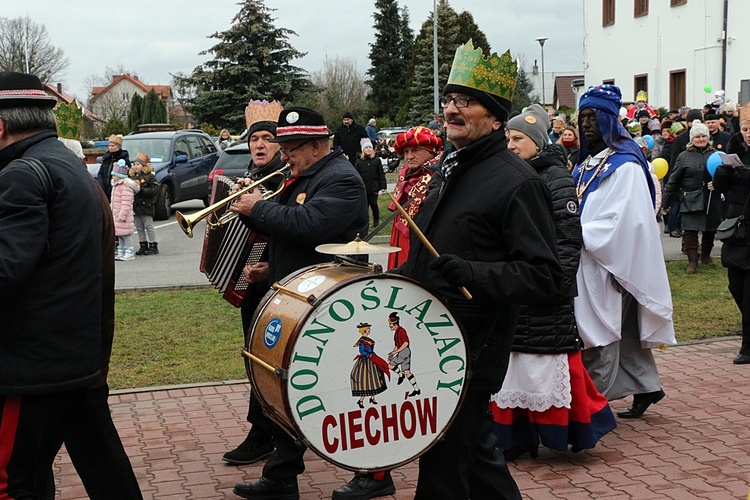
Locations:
606 100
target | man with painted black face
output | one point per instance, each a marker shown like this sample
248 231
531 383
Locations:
489 215
324 202
623 307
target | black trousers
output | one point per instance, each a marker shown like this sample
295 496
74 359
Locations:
466 463
372 200
739 287
97 453
32 431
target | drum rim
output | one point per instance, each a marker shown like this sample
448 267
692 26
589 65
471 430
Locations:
286 361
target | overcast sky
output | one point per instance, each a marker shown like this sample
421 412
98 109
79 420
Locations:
154 39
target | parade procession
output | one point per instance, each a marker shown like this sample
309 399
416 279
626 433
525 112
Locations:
509 284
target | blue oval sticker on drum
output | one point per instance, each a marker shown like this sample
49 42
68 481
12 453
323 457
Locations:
272 333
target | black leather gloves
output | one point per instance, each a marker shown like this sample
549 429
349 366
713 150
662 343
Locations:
456 271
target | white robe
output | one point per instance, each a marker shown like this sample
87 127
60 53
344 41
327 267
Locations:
621 240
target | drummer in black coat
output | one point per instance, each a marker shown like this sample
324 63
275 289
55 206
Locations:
489 215
324 202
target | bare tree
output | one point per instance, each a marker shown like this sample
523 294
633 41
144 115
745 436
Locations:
341 87
25 47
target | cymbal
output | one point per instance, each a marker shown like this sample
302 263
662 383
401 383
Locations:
356 247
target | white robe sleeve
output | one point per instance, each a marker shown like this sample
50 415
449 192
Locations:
621 240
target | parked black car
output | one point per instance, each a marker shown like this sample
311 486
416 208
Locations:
232 163
181 159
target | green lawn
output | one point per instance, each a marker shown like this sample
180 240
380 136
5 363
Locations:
188 336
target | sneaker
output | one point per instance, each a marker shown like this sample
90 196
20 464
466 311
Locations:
247 453
364 487
268 489
128 254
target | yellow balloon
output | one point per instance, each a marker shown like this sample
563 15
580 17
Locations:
660 167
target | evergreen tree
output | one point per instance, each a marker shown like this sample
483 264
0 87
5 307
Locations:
161 112
150 113
524 94
453 30
134 115
251 60
389 57
114 126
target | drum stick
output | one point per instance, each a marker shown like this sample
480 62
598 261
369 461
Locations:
423 238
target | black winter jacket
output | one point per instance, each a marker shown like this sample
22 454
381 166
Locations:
327 203
495 212
50 271
690 174
105 170
734 183
145 198
551 329
371 171
347 138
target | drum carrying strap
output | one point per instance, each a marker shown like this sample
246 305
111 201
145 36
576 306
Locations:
41 171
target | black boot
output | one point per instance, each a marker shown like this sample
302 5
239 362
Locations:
144 248
641 402
153 248
364 487
248 452
269 488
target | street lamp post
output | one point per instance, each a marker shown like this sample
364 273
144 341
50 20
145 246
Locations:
541 41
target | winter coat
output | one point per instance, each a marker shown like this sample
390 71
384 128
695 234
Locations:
551 329
105 170
719 140
371 171
734 183
123 196
347 138
327 203
145 198
494 211
50 271
690 175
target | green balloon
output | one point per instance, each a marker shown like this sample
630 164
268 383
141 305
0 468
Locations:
707 88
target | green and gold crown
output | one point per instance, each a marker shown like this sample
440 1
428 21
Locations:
495 74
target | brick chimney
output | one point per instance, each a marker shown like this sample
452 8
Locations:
59 88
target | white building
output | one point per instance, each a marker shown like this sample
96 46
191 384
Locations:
673 49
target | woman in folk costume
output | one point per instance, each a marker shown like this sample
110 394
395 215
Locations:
547 396
421 149
369 370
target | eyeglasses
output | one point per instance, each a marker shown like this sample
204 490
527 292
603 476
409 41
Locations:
460 101
288 152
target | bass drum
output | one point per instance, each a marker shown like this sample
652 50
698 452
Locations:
320 357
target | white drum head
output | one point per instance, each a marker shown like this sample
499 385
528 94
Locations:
331 373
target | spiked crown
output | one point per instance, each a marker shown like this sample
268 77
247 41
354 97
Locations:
493 75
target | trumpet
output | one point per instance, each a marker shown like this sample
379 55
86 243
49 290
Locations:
187 222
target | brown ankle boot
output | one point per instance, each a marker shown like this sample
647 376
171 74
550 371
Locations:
692 254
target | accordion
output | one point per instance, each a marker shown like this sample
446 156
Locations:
228 248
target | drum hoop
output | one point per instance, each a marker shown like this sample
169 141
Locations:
286 361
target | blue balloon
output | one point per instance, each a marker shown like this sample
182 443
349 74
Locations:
713 161
649 141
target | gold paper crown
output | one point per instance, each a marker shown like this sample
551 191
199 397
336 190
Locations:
495 74
745 112
262 111
641 96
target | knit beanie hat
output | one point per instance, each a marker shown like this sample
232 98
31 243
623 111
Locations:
697 129
533 122
693 114
365 143
142 158
120 169
117 139
347 114
665 124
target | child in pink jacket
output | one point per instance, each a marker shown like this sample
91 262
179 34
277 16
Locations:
123 194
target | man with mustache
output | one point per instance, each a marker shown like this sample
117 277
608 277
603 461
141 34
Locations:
489 214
